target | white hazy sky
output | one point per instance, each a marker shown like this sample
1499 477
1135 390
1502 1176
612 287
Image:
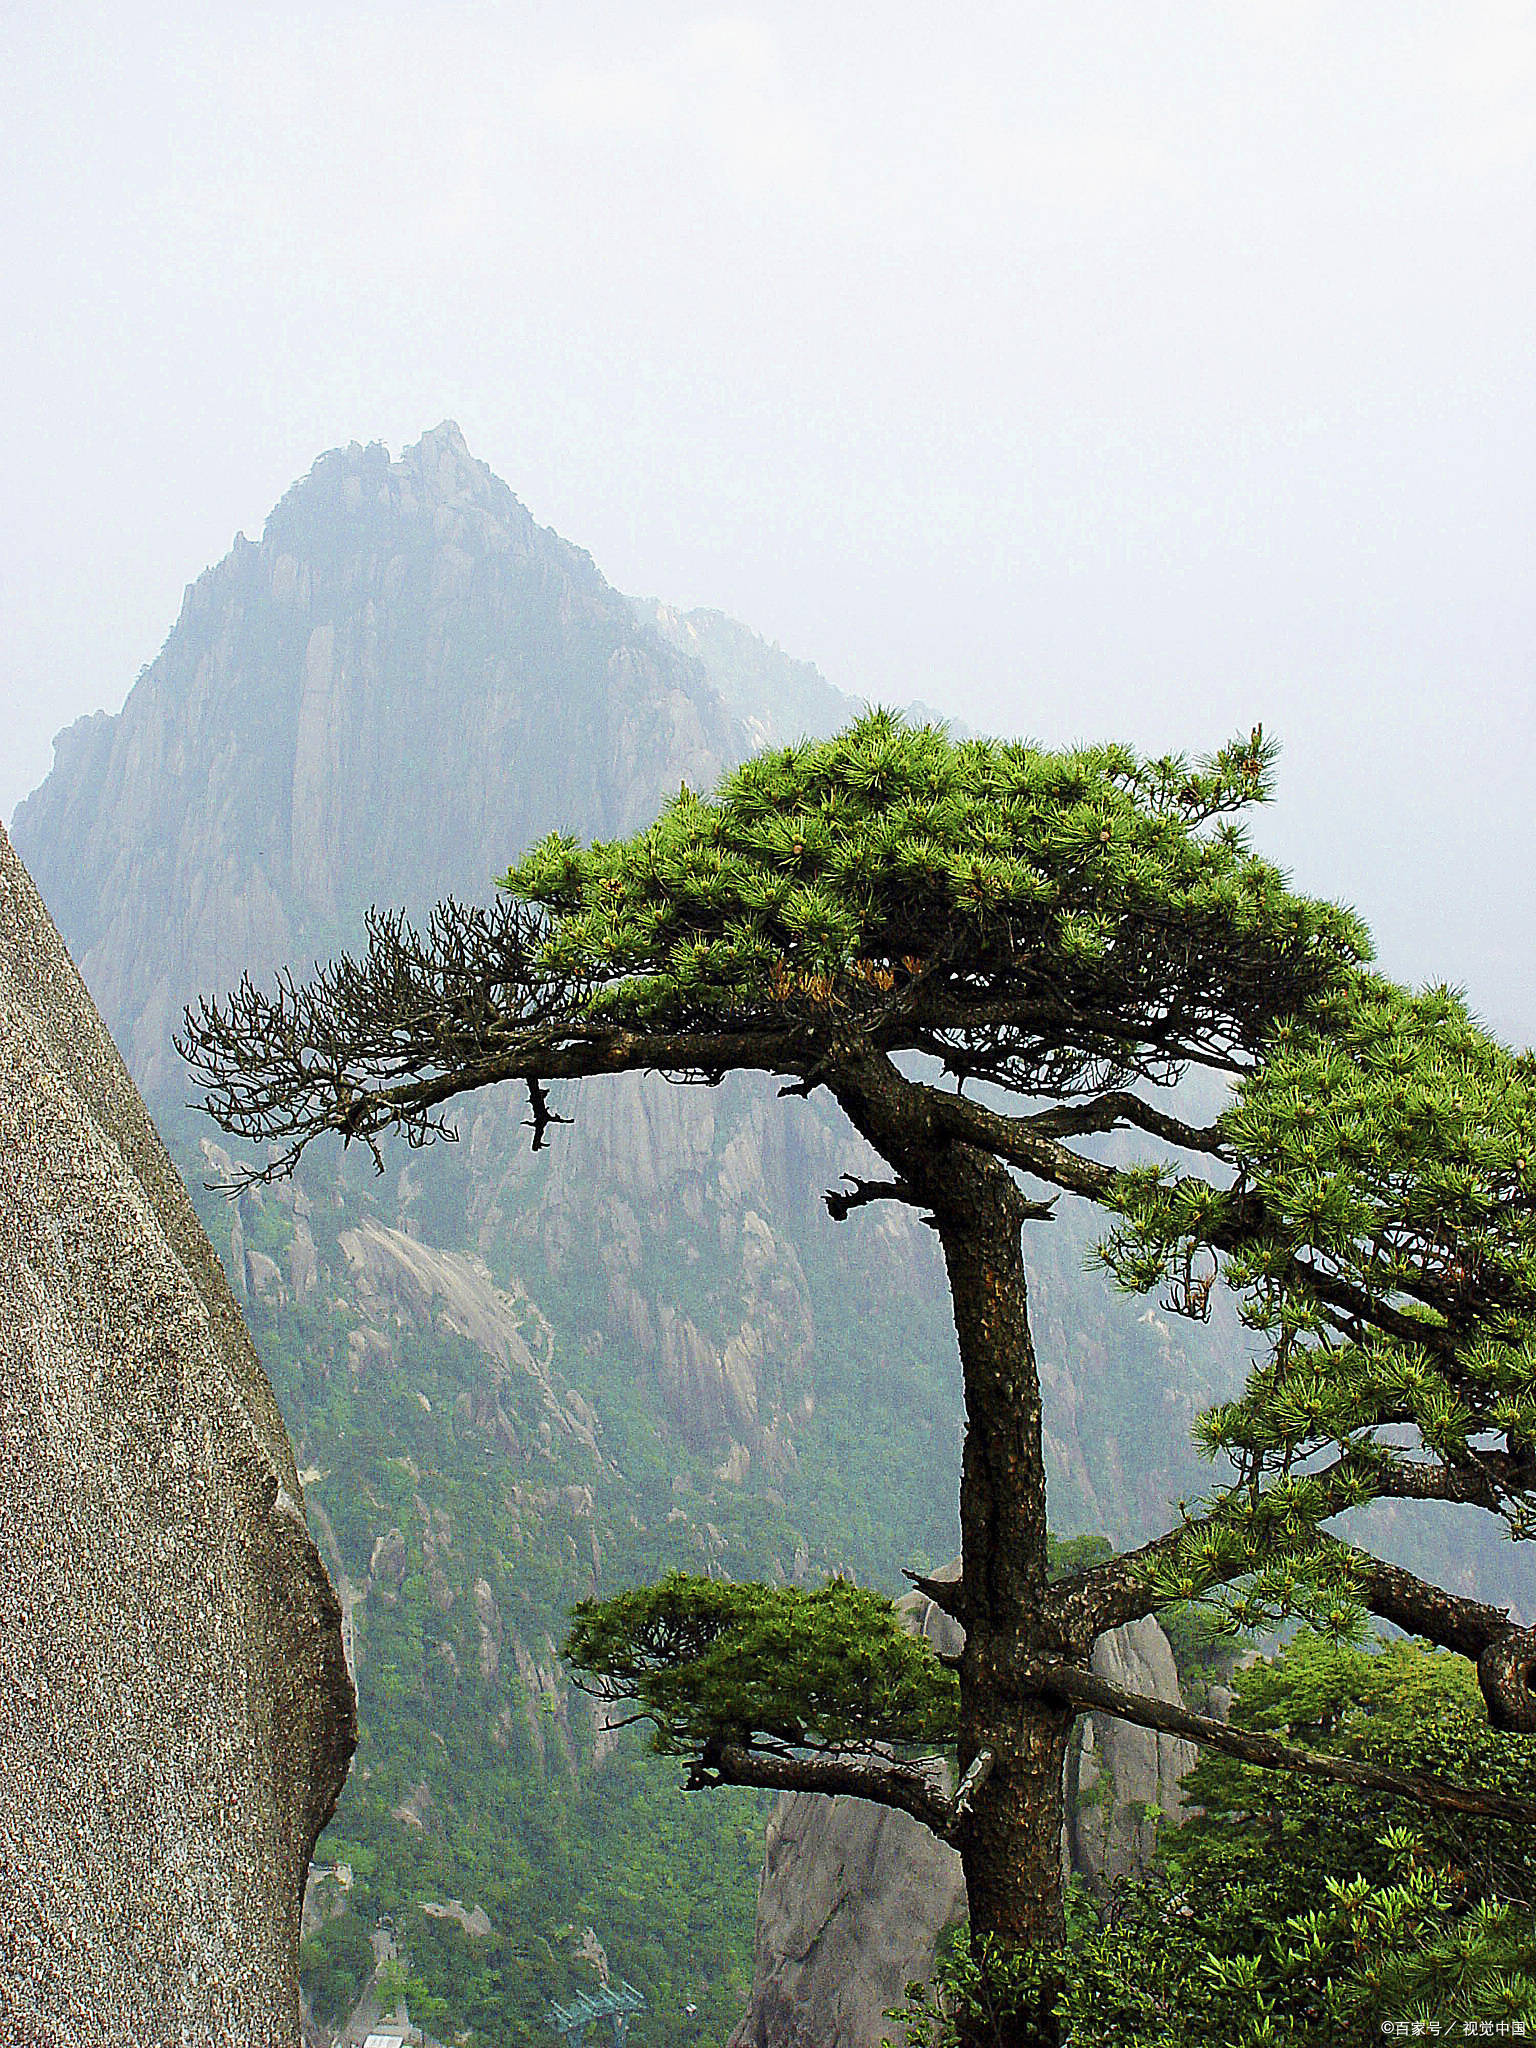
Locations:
1115 367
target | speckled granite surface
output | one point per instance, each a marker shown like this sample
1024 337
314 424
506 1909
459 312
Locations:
175 1713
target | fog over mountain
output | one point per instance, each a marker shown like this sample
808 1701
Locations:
385 700
1083 371
404 684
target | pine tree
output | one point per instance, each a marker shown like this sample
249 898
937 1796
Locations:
926 931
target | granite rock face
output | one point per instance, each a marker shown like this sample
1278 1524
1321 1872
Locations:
851 1905
175 1713
1117 1774
854 1897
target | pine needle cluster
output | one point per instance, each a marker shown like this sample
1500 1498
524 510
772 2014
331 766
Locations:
828 1668
1379 1235
1024 912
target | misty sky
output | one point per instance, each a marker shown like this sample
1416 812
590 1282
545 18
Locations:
1105 368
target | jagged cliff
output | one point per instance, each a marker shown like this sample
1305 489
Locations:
401 686
404 683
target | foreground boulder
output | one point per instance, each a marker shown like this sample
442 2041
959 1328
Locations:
176 1716
854 1897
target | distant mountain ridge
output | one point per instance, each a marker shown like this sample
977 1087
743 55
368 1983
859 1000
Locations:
776 697
403 684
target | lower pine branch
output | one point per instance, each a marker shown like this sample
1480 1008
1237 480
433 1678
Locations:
1086 1689
908 1788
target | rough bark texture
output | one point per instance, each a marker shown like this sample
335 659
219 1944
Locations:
1010 1848
1504 1653
175 1712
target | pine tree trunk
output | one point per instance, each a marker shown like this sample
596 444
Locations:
1011 1844
1011 1852
1011 1847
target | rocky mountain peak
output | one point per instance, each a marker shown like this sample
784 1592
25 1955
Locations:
435 481
444 465
385 699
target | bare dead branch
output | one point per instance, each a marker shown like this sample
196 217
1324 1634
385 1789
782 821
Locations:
541 1115
1115 1111
948 1595
861 1192
976 1775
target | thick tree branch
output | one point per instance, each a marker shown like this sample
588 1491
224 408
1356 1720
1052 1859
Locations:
906 1787
1473 1478
307 1103
1087 1603
1503 1651
1113 1112
1011 1139
1449 1619
1085 1689
862 1192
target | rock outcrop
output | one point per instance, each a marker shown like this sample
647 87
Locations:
854 1897
1123 1782
396 1279
175 1713
851 1905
